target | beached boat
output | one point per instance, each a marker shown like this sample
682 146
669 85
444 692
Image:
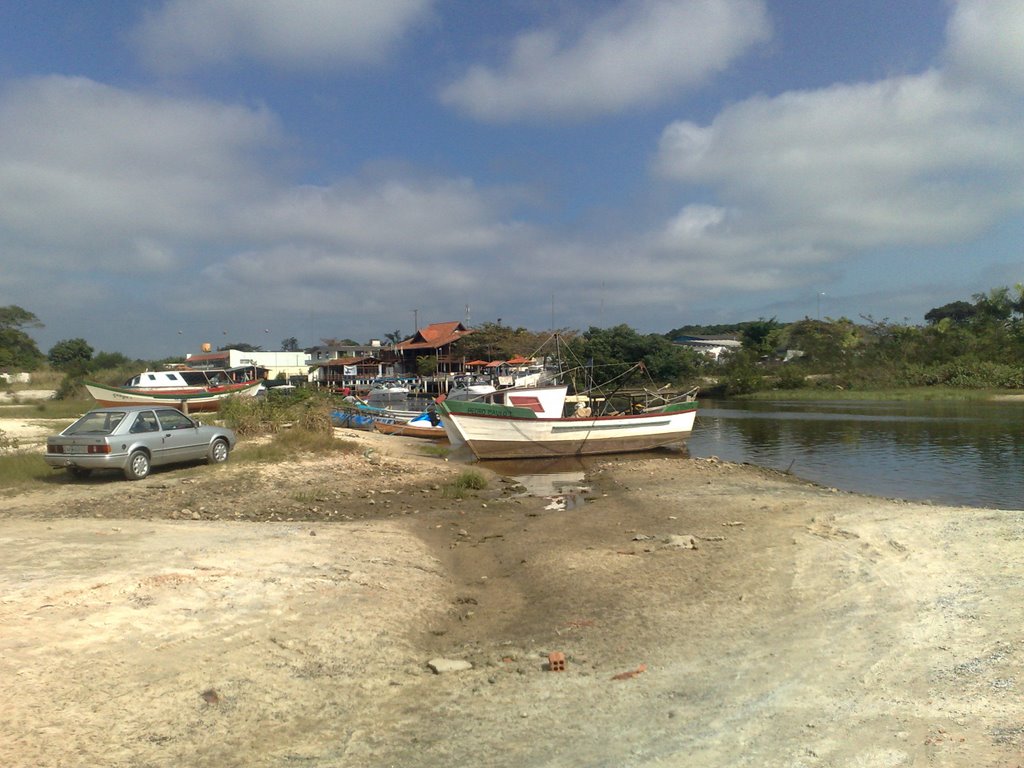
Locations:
510 432
421 426
359 414
186 396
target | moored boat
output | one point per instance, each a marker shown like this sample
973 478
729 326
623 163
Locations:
509 432
390 389
421 426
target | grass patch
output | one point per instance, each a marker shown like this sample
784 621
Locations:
903 394
47 409
21 469
437 451
290 443
461 486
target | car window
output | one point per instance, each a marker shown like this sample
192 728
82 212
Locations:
145 422
172 419
96 423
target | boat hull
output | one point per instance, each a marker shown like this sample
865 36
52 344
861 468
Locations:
494 432
408 429
194 398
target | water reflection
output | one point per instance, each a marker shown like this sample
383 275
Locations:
545 477
950 452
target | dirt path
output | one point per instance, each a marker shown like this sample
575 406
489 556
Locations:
285 616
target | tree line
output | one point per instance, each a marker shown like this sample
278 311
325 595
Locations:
964 344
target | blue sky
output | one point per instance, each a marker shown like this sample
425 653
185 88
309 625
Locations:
180 171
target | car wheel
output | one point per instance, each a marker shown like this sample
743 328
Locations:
79 473
137 466
218 452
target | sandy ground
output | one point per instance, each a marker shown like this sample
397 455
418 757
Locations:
710 615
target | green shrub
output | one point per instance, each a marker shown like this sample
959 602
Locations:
7 443
308 410
460 487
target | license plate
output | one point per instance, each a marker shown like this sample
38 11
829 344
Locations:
76 449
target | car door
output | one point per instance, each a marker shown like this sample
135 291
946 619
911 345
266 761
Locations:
180 437
145 431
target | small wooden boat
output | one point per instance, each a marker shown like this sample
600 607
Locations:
511 432
421 427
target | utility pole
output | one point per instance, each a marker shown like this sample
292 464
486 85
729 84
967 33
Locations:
820 294
415 319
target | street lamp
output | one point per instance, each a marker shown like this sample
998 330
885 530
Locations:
820 294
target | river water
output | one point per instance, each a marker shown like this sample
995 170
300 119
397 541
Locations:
958 453
967 453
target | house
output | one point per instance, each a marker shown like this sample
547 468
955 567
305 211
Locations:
325 352
355 373
276 365
713 347
434 341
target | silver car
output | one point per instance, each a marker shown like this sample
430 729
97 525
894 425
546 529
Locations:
134 439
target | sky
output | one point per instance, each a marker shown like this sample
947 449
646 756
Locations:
174 172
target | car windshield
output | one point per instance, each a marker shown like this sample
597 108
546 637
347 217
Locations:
96 423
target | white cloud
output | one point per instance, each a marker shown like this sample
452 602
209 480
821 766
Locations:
114 176
424 216
641 52
187 34
908 160
693 222
802 181
986 42
169 207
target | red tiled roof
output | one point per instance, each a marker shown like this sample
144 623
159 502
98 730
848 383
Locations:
477 362
495 363
435 335
519 360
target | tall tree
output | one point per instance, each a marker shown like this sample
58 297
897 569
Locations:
70 355
826 342
957 312
17 349
761 336
291 344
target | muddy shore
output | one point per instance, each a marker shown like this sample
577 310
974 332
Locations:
709 614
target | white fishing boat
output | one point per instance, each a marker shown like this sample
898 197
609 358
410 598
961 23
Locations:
510 432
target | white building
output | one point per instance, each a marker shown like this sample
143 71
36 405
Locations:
277 364
712 347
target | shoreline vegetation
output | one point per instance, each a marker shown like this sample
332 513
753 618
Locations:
884 395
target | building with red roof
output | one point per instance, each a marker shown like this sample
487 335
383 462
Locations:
436 341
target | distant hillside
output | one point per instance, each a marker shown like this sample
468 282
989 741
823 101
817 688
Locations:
733 329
